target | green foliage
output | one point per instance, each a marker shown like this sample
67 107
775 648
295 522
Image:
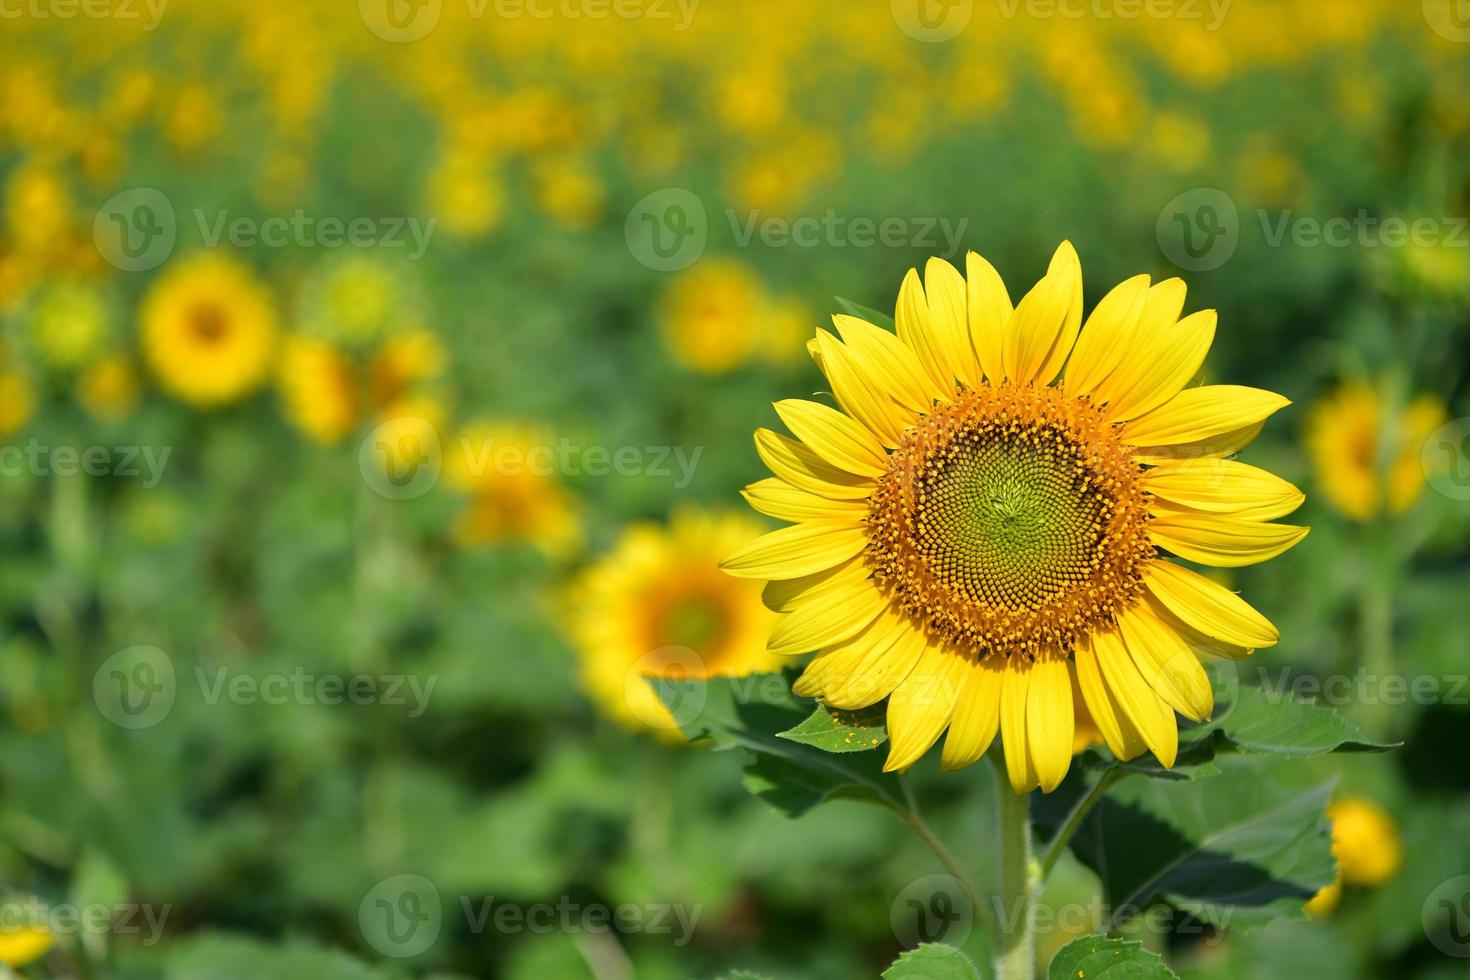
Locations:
1104 958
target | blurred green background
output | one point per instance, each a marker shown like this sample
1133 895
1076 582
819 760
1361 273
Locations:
352 350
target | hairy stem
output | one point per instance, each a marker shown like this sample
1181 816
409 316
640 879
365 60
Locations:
1016 949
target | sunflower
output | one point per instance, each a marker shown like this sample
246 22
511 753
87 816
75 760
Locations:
1367 456
507 470
658 605
208 330
318 388
1366 844
982 521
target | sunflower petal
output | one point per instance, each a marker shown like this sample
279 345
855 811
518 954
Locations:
835 615
1208 606
916 329
1224 486
1199 413
950 320
776 498
1224 542
989 309
1122 738
785 595
1044 326
1174 357
873 663
840 440
805 470
1166 661
791 552
921 707
1140 703
976 716
864 401
1106 336
1050 717
887 360
1015 689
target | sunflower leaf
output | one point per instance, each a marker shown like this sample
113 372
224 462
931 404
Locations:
931 961
862 312
751 714
834 730
1243 848
1103 958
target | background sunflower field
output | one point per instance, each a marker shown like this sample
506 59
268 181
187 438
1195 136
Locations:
376 388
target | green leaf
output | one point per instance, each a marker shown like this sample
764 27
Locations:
862 312
1243 848
932 962
1101 958
751 713
834 730
1250 720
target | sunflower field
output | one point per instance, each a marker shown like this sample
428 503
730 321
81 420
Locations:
734 489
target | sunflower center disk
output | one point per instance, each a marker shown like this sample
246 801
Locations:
1010 520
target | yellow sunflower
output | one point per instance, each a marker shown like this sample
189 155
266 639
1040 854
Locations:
509 472
208 330
983 518
658 605
1366 455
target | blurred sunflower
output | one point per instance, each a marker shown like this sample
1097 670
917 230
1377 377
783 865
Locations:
658 605
318 388
709 316
355 301
208 330
983 518
1367 456
23 946
108 388
68 325
17 400
507 470
1366 843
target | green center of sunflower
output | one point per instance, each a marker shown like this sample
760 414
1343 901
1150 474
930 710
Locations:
1011 519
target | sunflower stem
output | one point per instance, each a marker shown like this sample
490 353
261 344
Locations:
1015 925
1074 819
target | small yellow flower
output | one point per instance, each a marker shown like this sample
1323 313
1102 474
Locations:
710 316
354 301
1365 841
569 193
1367 456
509 472
208 330
404 360
318 388
23 946
658 605
68 325
1324 903
108 389
38 207
467 196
